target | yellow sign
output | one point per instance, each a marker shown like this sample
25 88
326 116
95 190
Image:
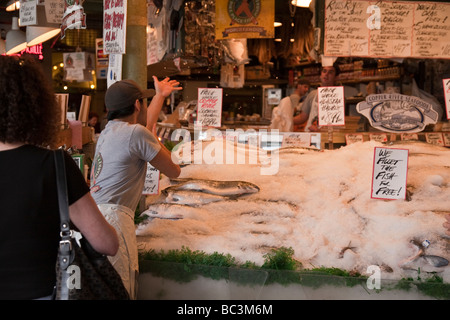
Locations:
245 19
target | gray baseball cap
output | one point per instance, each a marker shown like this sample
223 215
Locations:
124 93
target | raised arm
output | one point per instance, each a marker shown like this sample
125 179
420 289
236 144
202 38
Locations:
163 89
163 162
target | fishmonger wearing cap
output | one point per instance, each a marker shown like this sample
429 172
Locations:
120 163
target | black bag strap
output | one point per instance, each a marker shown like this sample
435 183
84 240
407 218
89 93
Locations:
63 201
65 245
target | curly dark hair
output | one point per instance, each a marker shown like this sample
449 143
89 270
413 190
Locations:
28 109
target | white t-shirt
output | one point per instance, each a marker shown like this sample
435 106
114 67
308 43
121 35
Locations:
310 106
120 163
282 115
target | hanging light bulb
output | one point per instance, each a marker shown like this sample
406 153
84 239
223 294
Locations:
16 39
43 31
301 3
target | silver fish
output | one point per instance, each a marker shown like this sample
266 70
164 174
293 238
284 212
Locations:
190 198
435 261
163 211
216 187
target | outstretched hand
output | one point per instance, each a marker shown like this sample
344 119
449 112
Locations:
166 86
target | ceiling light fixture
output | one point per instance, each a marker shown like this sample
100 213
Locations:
301 3
13 5
16 39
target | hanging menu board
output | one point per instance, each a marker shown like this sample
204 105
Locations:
387 29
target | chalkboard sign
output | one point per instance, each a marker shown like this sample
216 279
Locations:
387 29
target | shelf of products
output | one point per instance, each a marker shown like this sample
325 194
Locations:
356 72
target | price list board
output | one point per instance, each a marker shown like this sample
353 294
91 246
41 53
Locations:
387 29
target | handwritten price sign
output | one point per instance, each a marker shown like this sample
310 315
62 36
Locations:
331 106
390 168
151 185
209 107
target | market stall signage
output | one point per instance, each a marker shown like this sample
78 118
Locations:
409 136
390 168
296 139
54 10
102 59
397 112
446 136
435 138
245 19
27 13
351 138
114 26
73 17
77 66
209 107
151 184
379 137
446 85
331 106
114 69
387 29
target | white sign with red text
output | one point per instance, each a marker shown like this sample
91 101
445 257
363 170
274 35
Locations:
209 107
114 26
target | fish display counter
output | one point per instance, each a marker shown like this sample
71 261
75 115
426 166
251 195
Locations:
311 206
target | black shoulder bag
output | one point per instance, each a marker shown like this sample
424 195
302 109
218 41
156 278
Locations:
81 272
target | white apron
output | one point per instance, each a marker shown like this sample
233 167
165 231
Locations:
126 260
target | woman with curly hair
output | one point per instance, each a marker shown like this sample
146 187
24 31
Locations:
29 213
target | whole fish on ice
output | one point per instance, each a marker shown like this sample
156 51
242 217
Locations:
435 261
162 211
432 260
215 187
190 198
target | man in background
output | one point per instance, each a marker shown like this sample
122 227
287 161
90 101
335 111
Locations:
309 109
283 114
